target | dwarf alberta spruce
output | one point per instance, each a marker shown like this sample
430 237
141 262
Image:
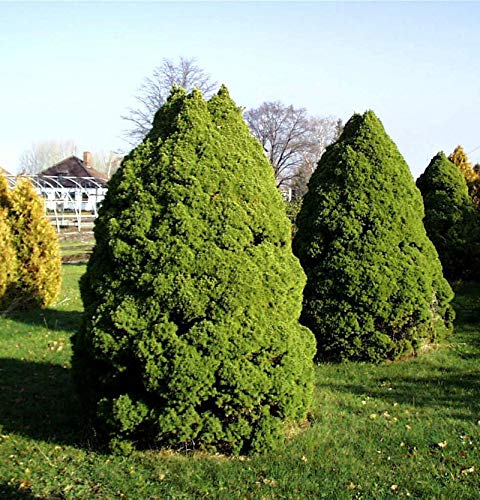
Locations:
192 295
375 288
451 219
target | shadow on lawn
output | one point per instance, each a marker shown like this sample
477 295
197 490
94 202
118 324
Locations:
10 492
454 389
49 318
37 400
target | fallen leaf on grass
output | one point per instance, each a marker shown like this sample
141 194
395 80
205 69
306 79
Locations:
442 445
470 470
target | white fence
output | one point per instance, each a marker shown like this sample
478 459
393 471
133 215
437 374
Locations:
69 201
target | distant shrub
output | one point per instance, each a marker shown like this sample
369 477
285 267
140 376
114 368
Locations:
38 278
293 208
451 220
192 294
460 159
8 259
375 288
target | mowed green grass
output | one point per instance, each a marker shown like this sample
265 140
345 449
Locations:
408 429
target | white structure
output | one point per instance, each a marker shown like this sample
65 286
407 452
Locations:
72 190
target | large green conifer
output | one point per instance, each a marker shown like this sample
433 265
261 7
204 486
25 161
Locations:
451 219
192 295
375 288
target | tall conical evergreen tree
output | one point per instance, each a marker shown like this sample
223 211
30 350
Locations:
375 288
451 220
38 279
192 295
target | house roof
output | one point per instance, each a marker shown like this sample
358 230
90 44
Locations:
75 167
4 172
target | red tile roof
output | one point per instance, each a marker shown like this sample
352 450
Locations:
75 167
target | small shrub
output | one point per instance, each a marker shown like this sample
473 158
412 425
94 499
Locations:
38 278
8 260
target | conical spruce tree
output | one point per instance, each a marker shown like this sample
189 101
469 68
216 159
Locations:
38 278
192 294
451 219
375 288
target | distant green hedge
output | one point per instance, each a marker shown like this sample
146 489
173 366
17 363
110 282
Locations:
375 288
192 295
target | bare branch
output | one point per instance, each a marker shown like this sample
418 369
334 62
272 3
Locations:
154 91
45 154
292 140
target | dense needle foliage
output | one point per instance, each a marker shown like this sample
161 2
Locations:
451 220
192 295
375 288
30 261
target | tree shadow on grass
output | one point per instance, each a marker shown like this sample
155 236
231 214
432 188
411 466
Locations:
13 493
37 400
51 319
453 390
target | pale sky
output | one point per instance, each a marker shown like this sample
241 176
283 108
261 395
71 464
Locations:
69 70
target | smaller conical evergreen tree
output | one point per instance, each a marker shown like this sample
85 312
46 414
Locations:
451 220
38 278
375 288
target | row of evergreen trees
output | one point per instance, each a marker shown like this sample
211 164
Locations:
191 332
30 265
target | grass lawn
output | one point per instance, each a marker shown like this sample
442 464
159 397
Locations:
409 429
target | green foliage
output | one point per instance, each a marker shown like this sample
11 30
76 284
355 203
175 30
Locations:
8 259
414 424
375 288
192 294
38 278
293 208
451 220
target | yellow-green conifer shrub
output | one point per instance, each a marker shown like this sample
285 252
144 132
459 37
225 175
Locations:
7 253
460 159
36 244
8 260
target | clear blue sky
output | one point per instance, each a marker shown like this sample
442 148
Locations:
70 70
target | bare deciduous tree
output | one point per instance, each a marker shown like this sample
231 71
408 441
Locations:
292 140
44 154
155 89
108 163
